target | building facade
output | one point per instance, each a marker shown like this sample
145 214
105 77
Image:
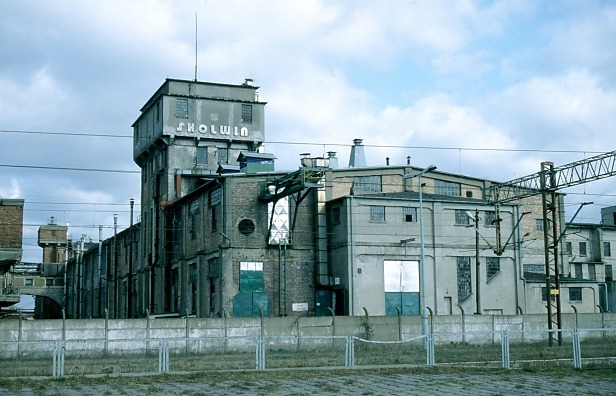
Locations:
223 233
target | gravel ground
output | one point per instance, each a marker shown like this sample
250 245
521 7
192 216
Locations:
327 382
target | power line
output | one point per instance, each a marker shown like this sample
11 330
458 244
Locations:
69 169
321 144
66 133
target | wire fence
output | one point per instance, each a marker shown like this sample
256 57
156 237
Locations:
505 349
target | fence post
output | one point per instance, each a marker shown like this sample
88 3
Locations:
224 318
147 331
58 359
349 360
163 356
63 325
19 335
299 335
260 354
430 350
399 323
505 349
577 353
333 326
463 324
106 332
186 332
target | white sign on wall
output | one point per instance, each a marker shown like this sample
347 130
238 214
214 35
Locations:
297 307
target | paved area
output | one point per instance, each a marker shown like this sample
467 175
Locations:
354 383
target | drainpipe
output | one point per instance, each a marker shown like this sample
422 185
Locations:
352 254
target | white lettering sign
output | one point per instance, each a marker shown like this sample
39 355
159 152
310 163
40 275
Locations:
223 130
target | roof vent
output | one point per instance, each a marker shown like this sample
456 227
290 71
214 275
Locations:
358 156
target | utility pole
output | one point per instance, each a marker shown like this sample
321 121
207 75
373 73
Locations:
129 301
115 266
100 275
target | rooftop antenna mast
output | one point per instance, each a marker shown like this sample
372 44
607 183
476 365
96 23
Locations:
196 48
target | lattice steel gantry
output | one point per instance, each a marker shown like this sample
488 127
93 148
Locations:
547 182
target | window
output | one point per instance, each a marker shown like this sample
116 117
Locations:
48 281
535 268
29 282
334 215
489 218
463 265
201 156
447 188
575 294
181 108
194 210
544 295
214 219
247 114
592 272
569 248
492 267
608 273
582 246
461 217
607 249
577 271
540 224
246 227
367 184
409 215
377 213
251 276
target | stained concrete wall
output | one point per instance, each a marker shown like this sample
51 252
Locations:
379 327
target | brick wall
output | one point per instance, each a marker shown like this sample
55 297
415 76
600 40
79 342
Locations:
11 223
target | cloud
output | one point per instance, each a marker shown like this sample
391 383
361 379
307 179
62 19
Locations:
565 112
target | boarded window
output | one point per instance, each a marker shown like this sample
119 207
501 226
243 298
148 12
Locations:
201 156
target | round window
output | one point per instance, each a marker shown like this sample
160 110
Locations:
246 227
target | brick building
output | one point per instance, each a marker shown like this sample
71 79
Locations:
11 233
222 232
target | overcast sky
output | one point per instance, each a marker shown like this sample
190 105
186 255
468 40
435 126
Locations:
486 89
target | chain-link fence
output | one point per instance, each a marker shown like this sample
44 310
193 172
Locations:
505 348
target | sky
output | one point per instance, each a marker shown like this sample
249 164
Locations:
487 89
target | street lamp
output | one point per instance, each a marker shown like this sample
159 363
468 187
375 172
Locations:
422 267
475 219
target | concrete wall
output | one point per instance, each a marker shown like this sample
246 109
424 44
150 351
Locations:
379 327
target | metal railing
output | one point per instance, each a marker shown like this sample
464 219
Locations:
504 349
